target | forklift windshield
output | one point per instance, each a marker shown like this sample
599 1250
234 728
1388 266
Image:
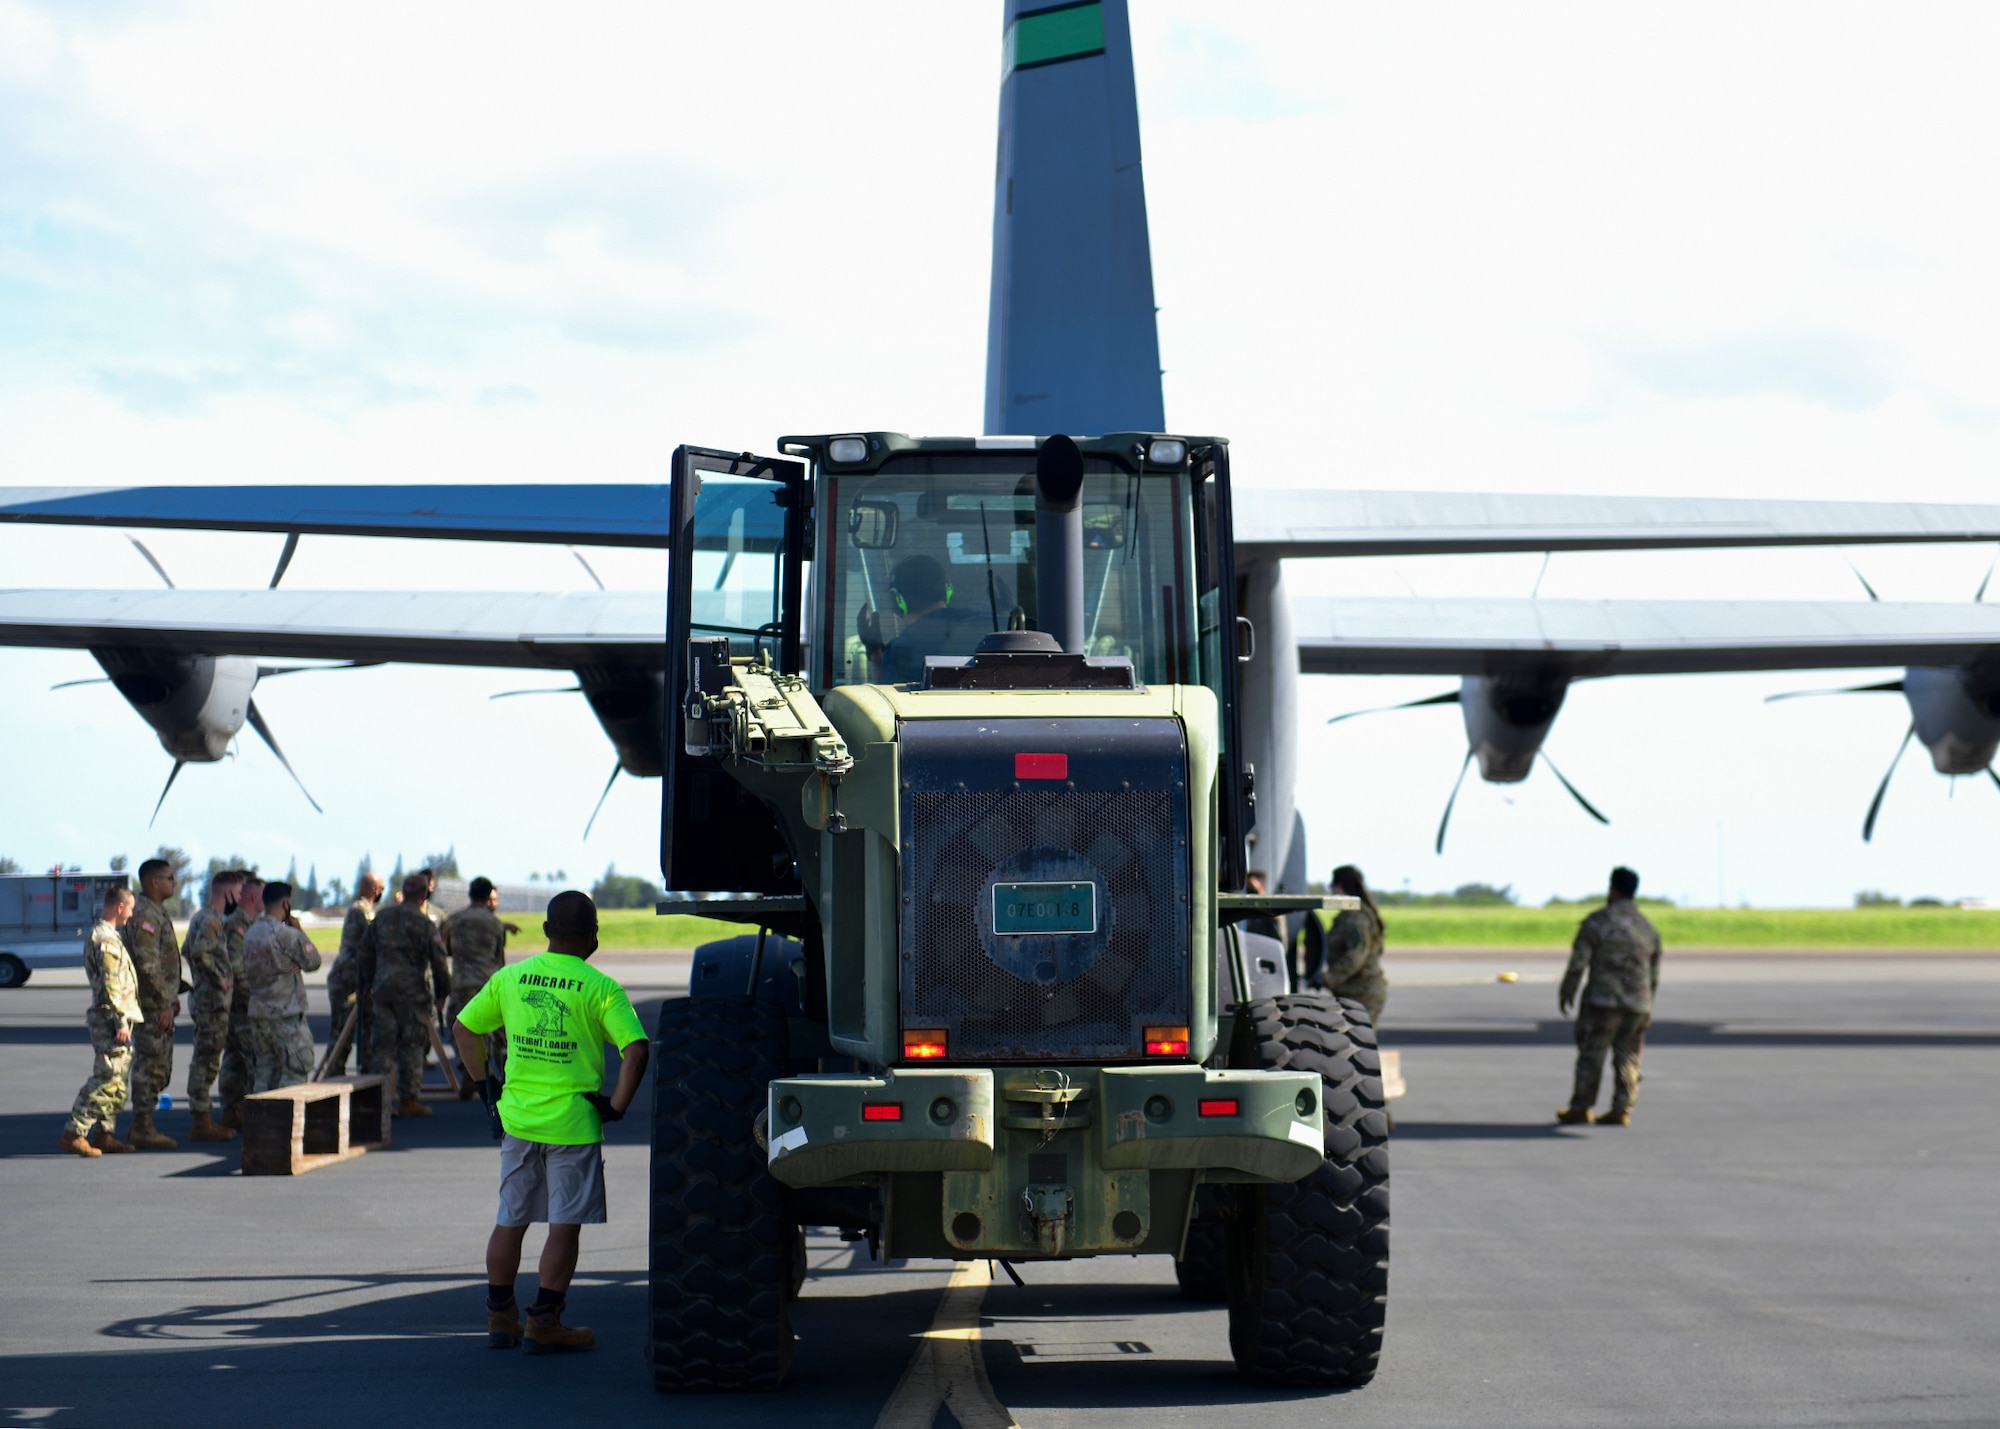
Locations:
934 552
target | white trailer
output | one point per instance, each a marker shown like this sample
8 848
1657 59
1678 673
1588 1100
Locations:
45 919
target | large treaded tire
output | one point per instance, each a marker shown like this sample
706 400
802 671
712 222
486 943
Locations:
723 1250
1308 1263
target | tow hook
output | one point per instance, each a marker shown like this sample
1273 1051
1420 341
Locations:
1048 1208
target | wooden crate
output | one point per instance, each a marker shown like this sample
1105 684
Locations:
297 1129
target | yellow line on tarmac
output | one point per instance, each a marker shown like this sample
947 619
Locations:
947 1367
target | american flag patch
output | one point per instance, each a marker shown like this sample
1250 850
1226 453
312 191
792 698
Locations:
149 927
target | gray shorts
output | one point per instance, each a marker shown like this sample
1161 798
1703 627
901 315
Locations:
563 1185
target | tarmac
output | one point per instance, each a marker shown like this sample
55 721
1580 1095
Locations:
1801 1227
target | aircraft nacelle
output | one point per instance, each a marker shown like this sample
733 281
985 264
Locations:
1507 717
196 704
1956 712
630 705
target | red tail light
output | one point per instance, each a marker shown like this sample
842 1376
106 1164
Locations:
1166 1041
1220 1106
1041 766
923 1044
881 1111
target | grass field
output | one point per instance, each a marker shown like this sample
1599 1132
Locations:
1833 929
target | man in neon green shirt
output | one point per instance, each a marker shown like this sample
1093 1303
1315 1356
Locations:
558 1012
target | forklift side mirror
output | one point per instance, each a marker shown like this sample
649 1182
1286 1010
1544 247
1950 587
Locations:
872 525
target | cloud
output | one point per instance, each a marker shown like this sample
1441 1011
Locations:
1845 371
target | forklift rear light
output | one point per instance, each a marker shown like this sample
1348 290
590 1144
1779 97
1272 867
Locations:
847 449
1166 1041
1220 1106
923 1044
881 1111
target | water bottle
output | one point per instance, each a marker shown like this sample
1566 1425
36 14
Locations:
166 1101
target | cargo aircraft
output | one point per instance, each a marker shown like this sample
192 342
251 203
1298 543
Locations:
1072 347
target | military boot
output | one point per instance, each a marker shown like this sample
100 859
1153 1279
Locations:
547 1335
1615 1116
105 1139
205 1129
76 1145
148 1138
410 1106
231 1118
1574 1116
503 1328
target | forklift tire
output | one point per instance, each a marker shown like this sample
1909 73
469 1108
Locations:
1200 1269
723 1252
1308 1263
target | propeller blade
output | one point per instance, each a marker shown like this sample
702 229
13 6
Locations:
1448 698
554 690
1885 688
285 558
1864 581
1588 807
1993 775
1875 804
586 567
602 797
1546 555
151 560
1445 822
264 732
1980 594
178 763
72 684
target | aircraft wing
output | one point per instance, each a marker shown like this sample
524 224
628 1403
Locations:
500 628
1270 524
1587 638
589 515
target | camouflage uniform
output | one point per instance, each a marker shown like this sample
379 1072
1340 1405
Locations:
403 965
477 941
344 990
239 1054
156 960
207 954
1620 950
275 958
1353 966
114 1006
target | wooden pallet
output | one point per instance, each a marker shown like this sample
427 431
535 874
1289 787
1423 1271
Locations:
297 1129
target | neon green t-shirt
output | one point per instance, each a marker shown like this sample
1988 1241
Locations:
559 1011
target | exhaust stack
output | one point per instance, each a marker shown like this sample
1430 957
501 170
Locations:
1059 542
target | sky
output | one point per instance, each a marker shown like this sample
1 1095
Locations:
1700 249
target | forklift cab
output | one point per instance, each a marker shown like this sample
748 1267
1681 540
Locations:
850 559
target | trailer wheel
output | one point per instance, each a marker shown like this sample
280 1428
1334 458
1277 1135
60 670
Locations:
723 1252
1200 1270
1308 1264
13 972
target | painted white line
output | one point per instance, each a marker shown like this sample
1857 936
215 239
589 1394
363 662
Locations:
947 1367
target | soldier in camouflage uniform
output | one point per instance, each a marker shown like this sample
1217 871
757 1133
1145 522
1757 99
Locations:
239 1054
156 958
276 955
92 1128
343 982
207 953
403 965
1620 950
476 939
1353 965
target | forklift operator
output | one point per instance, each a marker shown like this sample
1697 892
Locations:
923 594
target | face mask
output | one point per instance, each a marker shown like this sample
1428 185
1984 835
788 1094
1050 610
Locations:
229 905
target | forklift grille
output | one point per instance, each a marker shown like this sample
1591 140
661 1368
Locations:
1118 822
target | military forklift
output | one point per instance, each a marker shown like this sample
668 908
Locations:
953 724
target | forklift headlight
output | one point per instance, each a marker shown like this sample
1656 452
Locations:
1167 451
856 449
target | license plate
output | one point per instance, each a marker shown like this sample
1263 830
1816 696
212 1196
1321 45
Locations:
1020 908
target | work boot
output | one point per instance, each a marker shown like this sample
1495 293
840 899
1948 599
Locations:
410 1106
231 1118
105 1139
503 1328
547 1335
76 1145
146 1137
1616 1116
1574 1116
205 1129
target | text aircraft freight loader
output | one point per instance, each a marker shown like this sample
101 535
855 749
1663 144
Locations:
954 724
